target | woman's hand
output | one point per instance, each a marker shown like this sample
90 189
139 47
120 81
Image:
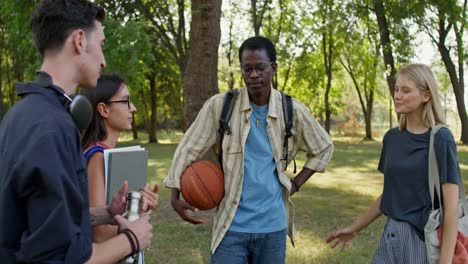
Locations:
342 236
150 198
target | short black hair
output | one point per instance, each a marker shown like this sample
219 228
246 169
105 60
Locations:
54 20
258 43
107 86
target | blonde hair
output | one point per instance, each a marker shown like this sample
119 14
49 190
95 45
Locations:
422 75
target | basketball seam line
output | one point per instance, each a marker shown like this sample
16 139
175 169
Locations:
204 186
188 193
215 172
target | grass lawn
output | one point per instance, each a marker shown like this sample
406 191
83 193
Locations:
327 201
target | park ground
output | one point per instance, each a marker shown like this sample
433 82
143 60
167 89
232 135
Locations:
327 201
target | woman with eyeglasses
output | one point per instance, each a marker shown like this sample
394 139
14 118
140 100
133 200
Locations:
113 113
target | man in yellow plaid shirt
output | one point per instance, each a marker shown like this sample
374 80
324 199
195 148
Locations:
256 213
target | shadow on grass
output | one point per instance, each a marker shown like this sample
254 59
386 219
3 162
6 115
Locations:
327 202
319 212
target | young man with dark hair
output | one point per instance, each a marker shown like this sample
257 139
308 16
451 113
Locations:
43 181
256 213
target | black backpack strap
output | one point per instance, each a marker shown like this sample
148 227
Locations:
226 112
288 122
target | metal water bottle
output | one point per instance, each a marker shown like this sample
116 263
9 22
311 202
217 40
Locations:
132 213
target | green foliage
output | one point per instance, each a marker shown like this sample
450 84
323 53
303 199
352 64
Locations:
19 59
141 49
452 13
128 48
228 64
362 62
169 90
149 39
309 81
15 16
128 52
400 25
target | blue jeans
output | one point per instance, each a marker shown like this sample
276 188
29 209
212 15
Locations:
252 248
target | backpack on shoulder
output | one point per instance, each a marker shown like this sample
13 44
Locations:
226 113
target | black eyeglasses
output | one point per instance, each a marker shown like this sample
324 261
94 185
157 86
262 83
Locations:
127 101
259 68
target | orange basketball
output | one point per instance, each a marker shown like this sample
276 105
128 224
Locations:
202 185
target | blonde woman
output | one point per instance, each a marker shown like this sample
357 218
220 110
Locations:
405 199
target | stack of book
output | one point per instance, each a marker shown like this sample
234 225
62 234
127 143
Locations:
130 164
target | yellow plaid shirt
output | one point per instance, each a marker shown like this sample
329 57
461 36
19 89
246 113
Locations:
308 136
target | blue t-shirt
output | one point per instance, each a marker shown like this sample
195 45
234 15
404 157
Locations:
261 207
404 163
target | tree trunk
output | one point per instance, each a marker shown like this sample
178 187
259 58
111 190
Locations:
181 38
152 119
456 79
258 15
458 88
460 93
368 115
366 106
230 56
11 94
287 73
274 81
385 41
200 79
145 110
390 116
255 23
327 59
2 48
134 128
327 103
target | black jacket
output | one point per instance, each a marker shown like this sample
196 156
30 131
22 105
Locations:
44 209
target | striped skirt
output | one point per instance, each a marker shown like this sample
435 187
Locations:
400 245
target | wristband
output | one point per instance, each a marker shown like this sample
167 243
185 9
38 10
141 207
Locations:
136 240
295 184
130 239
